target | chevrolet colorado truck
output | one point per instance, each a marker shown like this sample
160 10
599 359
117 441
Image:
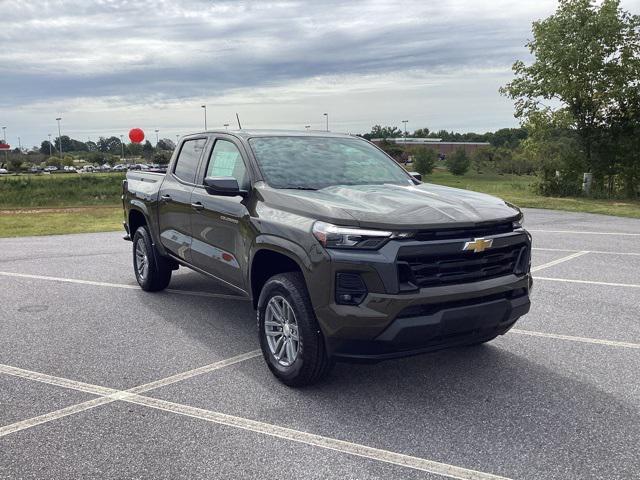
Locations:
343 253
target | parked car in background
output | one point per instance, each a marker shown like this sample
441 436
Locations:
3 171
50 168
120 168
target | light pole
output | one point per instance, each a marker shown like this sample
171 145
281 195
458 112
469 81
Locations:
177 139
405 130
327 115
205 116
122 147
307 127
226 126
50 154
157 138
4 140
19 145
59 136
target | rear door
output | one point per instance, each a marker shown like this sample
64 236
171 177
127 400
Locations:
174 199
220 223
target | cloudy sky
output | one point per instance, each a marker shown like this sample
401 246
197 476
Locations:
106 66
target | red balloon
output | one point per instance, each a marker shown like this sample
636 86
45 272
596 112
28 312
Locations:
136 135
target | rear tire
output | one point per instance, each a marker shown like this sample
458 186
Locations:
153 271
291 341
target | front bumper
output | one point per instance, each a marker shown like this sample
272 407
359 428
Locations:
393 323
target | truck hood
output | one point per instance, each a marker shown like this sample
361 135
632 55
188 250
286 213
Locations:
389 206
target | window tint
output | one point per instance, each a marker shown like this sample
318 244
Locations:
226 161
187 162
319 162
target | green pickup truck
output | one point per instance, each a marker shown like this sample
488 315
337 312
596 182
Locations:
344 254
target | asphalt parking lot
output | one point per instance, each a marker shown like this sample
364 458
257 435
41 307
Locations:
99 379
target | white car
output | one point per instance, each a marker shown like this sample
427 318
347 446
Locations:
3 171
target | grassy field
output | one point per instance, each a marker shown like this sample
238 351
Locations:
53 221
60 190
518 190
71 203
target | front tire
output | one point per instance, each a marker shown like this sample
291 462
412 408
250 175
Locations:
290 338
152 271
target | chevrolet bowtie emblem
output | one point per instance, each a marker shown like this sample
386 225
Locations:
478 245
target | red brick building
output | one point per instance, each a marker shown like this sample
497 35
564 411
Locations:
442 148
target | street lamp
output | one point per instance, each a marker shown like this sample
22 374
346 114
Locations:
405 130
177 139
307 127
327 115
19 145
50 154
4 140
205 116
59 136
157 138
226 126
122 147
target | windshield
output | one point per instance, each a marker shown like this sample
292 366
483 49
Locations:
319 162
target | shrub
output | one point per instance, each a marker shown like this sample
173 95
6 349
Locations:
424 160
458 163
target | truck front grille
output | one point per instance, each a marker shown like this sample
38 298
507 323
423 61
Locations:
435 270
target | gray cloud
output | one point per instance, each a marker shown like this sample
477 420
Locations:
137 53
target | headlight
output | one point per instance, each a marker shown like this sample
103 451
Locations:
519 222
332 236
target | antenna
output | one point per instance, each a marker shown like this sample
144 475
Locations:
238 118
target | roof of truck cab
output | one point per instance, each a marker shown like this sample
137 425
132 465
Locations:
278 133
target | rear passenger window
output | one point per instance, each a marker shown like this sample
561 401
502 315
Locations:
226 161
187 161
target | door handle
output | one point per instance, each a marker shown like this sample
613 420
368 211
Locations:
197 206
165 198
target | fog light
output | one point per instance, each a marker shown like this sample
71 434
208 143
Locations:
350 289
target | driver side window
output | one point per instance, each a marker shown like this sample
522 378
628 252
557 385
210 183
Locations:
226 161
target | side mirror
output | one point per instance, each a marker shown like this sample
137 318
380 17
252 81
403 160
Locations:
227 186
416 175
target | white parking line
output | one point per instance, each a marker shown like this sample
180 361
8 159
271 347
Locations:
107 395
119 285
610 343
386 456
637 254
342 446
559 260
588 282
48 417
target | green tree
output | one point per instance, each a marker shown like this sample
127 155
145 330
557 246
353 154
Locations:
47 148
166 144
147 150
482 159
458 163
587 60
424 160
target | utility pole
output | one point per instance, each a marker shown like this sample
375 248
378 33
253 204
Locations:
157 138
59 136
205 116
19 145
50 152
122 147
405 130
327 115
4 139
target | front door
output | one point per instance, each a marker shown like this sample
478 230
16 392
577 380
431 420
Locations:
174 199
220 223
